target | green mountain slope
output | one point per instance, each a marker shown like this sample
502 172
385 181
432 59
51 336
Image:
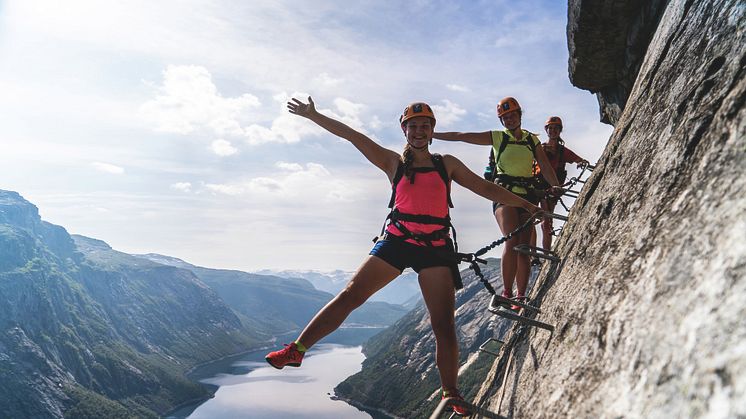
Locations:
85 330
277 304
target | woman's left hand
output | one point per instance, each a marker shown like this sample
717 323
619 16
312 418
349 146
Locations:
306 110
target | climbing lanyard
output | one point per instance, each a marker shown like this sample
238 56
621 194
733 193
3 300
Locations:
474 260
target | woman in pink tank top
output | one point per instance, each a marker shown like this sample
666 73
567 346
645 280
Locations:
417 235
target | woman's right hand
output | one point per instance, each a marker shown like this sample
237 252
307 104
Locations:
299 108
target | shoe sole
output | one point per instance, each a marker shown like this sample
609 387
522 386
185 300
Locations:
292 364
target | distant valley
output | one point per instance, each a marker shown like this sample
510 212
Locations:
87 331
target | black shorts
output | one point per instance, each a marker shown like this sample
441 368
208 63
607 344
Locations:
530 197
401 255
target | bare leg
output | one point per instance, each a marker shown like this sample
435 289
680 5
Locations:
437 289
546 224
370 277
533 237
507 218
523 262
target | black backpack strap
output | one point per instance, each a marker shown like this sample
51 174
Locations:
504 139
441 168
397 177
531 144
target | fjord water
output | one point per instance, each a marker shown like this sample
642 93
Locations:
264 392
249 388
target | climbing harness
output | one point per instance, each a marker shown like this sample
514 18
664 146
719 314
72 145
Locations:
395 217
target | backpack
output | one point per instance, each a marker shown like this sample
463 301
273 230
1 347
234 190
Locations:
490 172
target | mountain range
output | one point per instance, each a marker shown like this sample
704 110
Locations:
404 290
87 331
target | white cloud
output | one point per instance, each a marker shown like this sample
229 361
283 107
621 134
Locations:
325 80
108 168
375 122
223 148
292 167
457 88
312 184
232 190
448 113
285 128
182 186
188 100
289 128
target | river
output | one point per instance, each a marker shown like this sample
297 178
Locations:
248 388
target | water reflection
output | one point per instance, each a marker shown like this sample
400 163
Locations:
252 389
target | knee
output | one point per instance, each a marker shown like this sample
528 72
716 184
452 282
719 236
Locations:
513 242
351 298
443 328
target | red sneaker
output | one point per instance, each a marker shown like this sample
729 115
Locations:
506 295
521 299
457 409
289 356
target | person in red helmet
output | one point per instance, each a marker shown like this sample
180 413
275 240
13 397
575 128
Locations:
513 153
558 156
417 235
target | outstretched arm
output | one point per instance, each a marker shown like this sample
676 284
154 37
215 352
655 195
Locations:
479 138
570 157
381 157
496 193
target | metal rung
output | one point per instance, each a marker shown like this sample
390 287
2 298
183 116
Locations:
497 299
520 319
444 404
537 252
571 193
483 347
555 216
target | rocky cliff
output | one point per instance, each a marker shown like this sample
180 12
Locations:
651 295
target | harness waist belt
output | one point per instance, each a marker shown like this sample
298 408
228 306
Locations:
420 218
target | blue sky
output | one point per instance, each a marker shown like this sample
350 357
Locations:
161 126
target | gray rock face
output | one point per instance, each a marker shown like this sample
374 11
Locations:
649 305
607 43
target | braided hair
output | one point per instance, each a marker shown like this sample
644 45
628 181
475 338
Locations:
407 157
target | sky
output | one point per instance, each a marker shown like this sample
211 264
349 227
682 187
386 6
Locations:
161 127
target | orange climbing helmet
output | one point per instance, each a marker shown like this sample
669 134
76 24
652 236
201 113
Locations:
553 120
416 109
507 105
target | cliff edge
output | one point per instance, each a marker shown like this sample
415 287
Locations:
650 297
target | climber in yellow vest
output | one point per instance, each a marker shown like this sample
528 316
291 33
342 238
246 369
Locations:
515 150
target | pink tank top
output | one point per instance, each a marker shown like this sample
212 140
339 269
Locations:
426 196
